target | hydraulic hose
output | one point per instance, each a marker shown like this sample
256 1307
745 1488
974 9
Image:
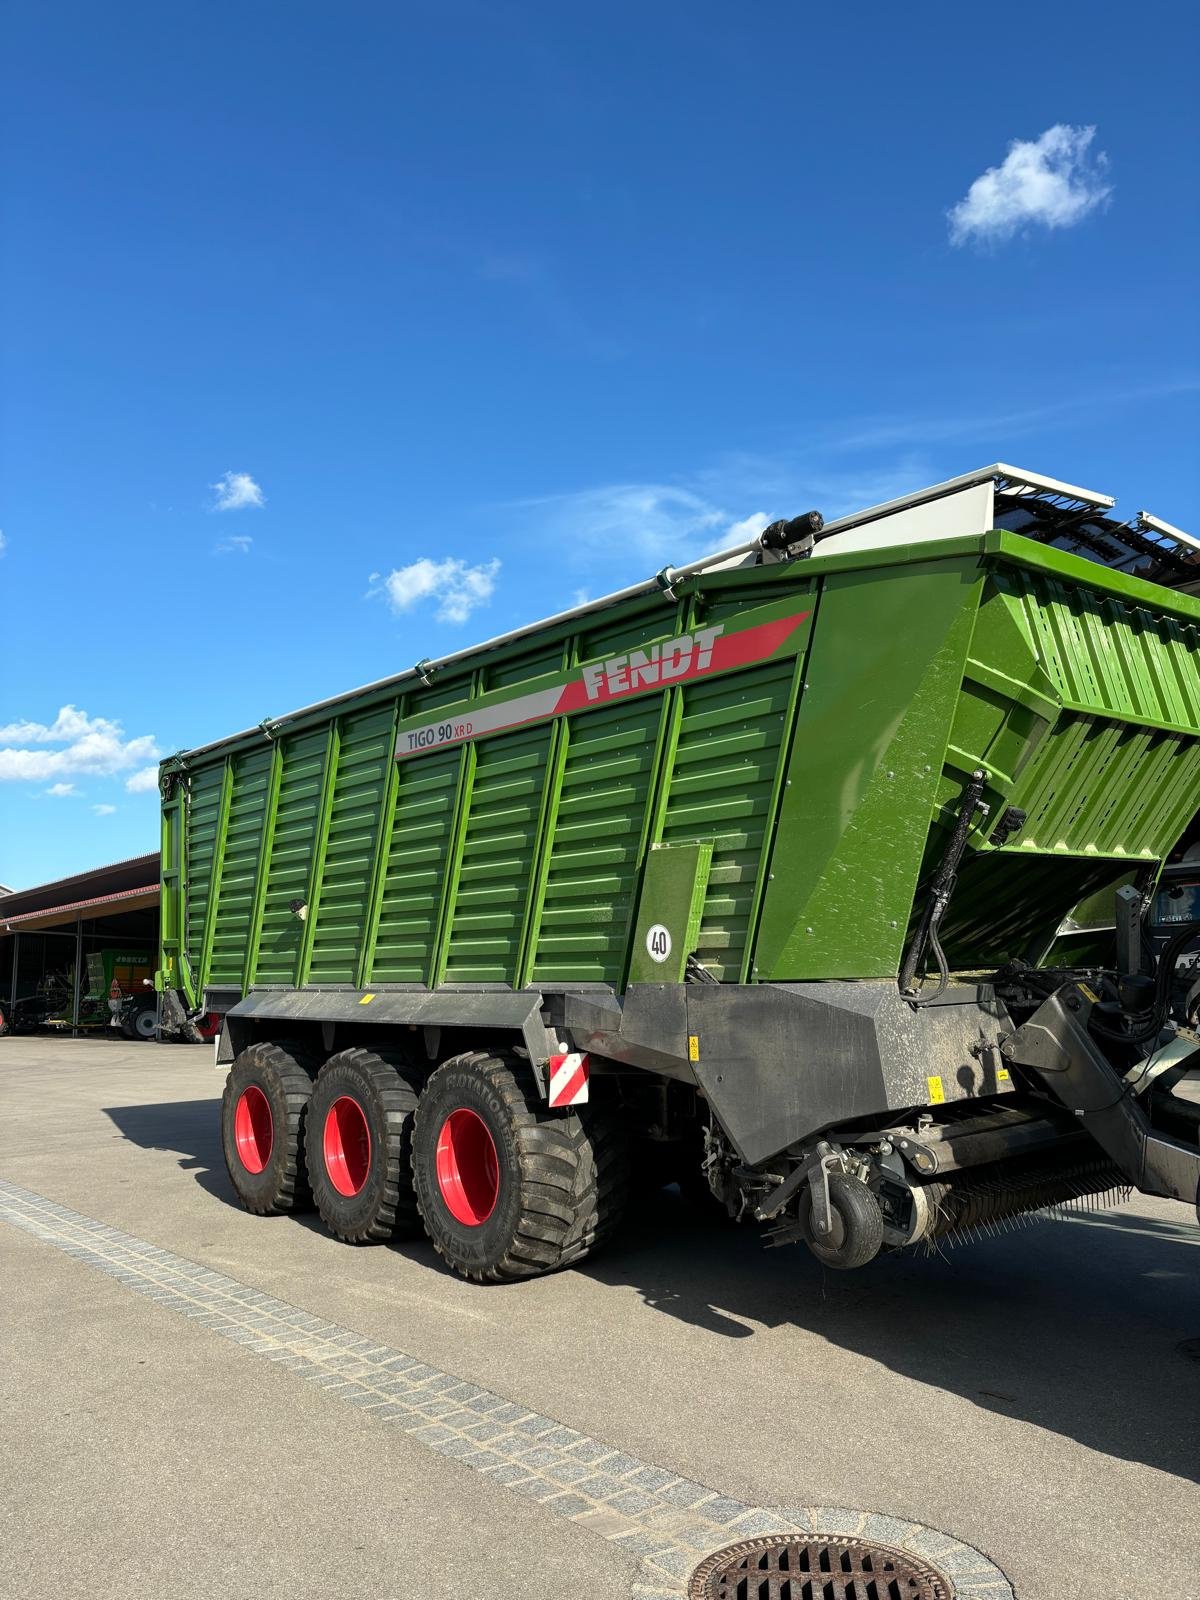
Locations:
1157 1012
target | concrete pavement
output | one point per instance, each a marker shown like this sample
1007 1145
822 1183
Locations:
1025 1394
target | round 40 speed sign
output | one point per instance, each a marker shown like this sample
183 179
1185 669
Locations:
658 942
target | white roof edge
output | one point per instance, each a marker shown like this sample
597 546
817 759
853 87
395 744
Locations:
1035 480
1159 526
967 480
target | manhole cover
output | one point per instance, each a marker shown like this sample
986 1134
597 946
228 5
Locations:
789 1566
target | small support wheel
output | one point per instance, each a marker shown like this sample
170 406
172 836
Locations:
857 1233
144 1024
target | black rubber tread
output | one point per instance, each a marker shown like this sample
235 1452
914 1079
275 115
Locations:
564 1174
386 1087
284 1071
861 1222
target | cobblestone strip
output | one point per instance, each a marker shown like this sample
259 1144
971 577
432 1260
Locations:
669 1522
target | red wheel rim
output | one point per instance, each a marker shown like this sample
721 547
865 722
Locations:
468 1171
347 1146
253 1130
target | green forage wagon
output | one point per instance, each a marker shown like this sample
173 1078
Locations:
810 876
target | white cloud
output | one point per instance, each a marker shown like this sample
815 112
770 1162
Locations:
143 781
104 811
748 528
654 524
3 544
59 790
238 544
235 491
88 744
457 588
1053 181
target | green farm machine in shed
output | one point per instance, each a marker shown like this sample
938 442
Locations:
811 875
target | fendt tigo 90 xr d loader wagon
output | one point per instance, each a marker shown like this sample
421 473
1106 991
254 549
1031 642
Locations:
810 876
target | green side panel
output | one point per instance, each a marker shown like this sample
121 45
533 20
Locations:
530 664
1106 655
1100 787
596 853
1124 780
243 839
871 735
203 803
499 844
731 737
291 853
1101 749
674 885
1086 712
418 854
341 907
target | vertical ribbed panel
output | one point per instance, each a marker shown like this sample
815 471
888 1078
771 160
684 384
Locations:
721 787
291 854
592 879
1104 788
243 837
417 860
498 850
1110 656
341 911
203 804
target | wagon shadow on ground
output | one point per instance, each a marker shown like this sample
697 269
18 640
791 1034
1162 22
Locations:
1071 1326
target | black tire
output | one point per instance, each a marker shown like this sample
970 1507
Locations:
561 1178
857 1224
281 1076
381 1091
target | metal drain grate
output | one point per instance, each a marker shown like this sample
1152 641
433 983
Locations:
786 1566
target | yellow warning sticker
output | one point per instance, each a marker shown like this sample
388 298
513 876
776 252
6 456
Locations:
693 1047
1090 993
1002 1075
366 1000
937 1092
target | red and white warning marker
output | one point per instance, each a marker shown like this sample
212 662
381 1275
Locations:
569 1079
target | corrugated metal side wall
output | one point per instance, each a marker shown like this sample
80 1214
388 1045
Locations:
516 858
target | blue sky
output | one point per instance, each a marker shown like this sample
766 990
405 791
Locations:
463 309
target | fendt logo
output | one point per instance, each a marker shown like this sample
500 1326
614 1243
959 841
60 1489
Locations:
662 663
634 672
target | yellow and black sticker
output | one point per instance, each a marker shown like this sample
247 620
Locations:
1003 1075
693 1047
366 1000
937 1091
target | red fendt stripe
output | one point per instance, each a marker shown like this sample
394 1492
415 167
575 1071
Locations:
730 650
752 644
